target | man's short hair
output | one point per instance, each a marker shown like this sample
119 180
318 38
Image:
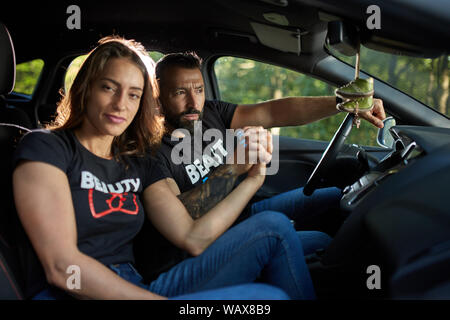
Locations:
188 60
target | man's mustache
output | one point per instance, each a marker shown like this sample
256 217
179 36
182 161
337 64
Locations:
190 111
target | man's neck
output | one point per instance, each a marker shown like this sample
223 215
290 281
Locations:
178 132
171 131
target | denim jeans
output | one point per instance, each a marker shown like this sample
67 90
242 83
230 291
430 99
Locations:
303 209
264 247
249 291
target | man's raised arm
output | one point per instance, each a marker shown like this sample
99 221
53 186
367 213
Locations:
295 111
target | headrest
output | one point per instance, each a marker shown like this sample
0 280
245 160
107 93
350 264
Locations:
7 62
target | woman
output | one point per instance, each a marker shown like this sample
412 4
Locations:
81 190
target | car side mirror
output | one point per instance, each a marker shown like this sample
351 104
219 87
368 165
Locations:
384 137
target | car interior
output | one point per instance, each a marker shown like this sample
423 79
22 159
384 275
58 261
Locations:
395 201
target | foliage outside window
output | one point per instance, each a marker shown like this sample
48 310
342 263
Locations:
427 80
244 81
72 71
155 55
27 76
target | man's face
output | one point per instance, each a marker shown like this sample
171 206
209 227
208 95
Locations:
182 96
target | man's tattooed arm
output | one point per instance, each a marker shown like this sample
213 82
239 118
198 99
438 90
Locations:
203 198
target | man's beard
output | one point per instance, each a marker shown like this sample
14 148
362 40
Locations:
177 121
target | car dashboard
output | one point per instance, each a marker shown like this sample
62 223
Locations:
405 152
399 216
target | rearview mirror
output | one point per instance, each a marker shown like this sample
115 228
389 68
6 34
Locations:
384 137
343 37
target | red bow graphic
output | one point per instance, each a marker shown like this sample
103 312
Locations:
112 209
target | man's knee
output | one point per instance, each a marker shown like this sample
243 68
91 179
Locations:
269 292
273 221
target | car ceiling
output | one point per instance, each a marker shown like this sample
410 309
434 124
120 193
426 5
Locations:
39 28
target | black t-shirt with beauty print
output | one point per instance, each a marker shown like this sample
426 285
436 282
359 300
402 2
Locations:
105 193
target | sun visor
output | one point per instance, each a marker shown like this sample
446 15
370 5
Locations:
278 38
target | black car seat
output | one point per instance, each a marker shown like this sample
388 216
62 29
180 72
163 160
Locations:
15 249
11 277
8 113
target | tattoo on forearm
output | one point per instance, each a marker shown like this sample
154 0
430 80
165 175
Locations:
201 199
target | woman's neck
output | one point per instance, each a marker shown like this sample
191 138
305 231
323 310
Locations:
98 145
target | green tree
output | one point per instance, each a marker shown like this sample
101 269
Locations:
27 76
155 55
427 80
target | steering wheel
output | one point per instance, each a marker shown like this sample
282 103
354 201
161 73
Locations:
329 156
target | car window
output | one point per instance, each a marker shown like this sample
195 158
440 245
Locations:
27 76
72 71
155 55
76 63
425 79
245 81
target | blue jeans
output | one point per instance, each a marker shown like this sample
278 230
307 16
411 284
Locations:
303 209
264 247
250 291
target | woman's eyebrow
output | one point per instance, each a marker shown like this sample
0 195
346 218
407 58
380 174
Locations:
119 85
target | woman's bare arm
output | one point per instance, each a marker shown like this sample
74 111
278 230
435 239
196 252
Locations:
171 218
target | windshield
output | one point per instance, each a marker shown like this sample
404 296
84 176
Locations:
427 80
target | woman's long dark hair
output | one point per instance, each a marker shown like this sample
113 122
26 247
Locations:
146 129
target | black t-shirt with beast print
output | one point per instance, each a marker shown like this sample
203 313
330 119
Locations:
214 144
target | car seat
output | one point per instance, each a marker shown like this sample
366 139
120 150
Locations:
15 248
8 113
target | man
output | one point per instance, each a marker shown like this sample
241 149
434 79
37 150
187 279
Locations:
183 103
208 176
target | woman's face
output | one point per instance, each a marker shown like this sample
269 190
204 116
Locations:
114 98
